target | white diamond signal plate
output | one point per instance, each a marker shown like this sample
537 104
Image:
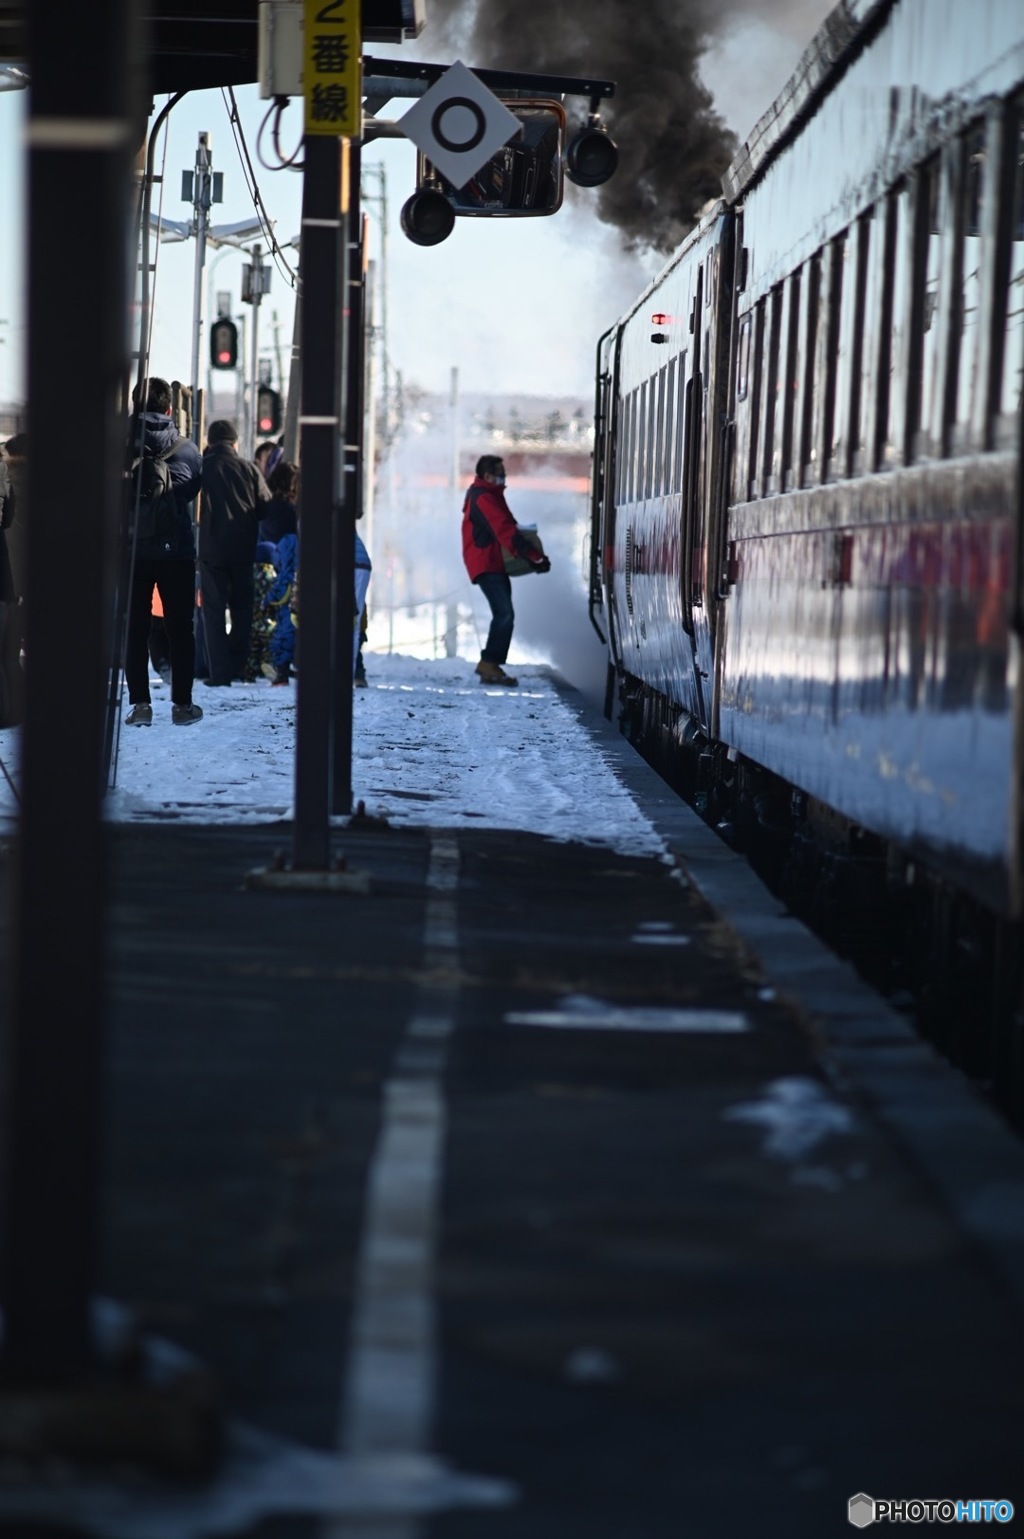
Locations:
459 124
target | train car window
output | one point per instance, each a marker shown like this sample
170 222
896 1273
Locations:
670 428
790 381
661 476
970 264
631 452
752 488
677 453
641 441
651 446
927 326
894 361
1009 403
874 359
844 436
623 451
826 353
743 359
805 455
771 392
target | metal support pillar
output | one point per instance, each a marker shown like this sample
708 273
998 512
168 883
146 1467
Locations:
256 293
349 502
319 423
82 132
202 201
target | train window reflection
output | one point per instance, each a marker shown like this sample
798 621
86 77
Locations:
790 381
895 359
755 400
927 296
805 454
1013 341
651 442
677 456
971 266
670 422
743 361
771 390
641 441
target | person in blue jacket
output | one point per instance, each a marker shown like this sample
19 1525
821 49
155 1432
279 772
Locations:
363 569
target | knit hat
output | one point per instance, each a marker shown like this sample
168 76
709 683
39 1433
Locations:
222 432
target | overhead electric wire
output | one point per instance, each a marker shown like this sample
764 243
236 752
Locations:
284 162
252 186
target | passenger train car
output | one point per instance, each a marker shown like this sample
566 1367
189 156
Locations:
806 495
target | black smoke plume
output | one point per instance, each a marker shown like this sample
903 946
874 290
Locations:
673 145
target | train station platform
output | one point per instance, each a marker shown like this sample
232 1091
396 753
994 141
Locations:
543 1189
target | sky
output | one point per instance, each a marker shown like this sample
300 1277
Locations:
514 305
432 746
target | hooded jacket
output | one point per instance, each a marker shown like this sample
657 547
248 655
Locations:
185 466
487 528
234 496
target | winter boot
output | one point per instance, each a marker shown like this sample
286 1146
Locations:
492 673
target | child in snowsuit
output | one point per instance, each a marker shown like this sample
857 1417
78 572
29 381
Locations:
280 603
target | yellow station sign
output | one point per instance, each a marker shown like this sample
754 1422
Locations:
332 84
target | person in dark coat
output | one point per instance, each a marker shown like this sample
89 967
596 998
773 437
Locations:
280 516
234 496
166 560
488 530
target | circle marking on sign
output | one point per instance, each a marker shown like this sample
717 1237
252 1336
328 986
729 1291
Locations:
455 140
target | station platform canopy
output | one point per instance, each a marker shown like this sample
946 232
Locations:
193 45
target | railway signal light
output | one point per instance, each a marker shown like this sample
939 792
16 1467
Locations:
592 156
223 344
268 410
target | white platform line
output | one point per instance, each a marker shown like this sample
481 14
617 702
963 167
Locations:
389 1392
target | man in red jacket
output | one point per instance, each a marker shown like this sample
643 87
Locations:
488 529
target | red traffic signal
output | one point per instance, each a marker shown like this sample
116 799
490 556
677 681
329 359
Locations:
268 410
223 344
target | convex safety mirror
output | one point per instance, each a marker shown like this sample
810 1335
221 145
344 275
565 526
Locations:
523 178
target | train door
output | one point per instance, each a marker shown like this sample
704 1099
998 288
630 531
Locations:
692 512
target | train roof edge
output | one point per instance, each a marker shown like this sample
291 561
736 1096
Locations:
845 30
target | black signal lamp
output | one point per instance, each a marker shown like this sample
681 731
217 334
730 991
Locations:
268 410
223 344
592 156
427 217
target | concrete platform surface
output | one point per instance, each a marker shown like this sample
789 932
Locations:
537 1192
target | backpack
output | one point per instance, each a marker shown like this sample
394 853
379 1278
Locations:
151 494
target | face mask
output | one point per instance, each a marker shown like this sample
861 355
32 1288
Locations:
499 480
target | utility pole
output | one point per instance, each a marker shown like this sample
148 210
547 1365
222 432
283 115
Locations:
370 388
79 164
319 423
202 188
281 385
349 503
241 395
255 283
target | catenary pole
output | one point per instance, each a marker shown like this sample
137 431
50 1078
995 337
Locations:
202 198
319 423
349 500
83 127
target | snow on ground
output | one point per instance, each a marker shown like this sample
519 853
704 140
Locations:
432 746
